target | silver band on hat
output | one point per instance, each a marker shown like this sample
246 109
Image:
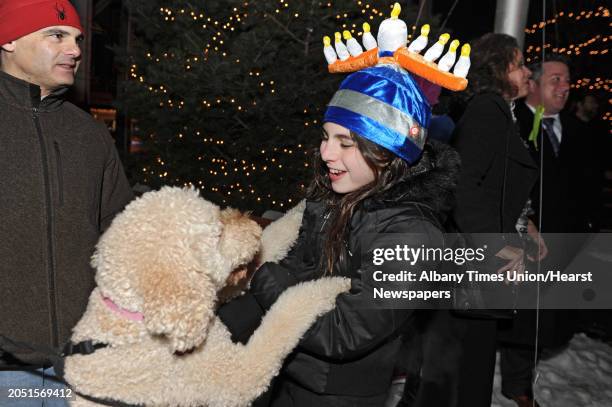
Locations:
382 112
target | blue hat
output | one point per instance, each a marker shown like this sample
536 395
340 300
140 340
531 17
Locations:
384 105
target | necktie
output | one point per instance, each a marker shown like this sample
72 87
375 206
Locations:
547 125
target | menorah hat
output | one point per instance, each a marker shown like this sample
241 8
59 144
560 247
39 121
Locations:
384 105
380 100
22 17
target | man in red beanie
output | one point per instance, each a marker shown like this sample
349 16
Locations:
62 183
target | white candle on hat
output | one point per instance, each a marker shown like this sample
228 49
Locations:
328 51
341 50
435 51
447 61
369 42
351 44
421 42
393 32
463 64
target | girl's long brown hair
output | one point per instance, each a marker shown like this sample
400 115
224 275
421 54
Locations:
388 169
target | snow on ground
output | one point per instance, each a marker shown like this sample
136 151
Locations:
580 376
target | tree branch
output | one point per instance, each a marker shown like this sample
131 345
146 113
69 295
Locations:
286 29
309 29
243 124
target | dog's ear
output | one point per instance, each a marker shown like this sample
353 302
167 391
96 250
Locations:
240 239
178 304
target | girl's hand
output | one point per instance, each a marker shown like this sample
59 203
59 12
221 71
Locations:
237 282
535 235
516 257
243 274
237 277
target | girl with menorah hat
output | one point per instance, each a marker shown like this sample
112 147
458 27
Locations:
375 177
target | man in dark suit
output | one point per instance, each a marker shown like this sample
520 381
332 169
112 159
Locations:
559 149
557 203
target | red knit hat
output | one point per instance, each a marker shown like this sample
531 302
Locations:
23 17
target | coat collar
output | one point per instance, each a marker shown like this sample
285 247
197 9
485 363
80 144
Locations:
431 181
25 95
516 148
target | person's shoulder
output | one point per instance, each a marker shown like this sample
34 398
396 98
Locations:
78 113
86 123
315 208
403 218
314 214
410 222
486 98
488 102
314 205
485 110
521 108
571 121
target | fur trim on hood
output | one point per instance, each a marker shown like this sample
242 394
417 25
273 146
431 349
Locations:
432 181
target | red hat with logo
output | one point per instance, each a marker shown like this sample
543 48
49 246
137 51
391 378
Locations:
22 17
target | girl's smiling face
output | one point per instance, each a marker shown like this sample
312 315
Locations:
347 169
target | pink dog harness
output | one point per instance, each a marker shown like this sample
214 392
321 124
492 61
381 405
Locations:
131 315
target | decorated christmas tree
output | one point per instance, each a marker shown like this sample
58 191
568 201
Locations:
228 95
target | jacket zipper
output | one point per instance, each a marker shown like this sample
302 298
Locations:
326 216
54 329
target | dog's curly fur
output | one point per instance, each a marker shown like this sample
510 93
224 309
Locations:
166 256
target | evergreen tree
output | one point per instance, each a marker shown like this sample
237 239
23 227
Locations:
228 95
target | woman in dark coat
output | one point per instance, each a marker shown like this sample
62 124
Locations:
495 182
368 192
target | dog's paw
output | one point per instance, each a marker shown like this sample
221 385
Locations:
326 289
313 297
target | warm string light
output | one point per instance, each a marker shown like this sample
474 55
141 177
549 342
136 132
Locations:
593 84
602 12
368 13
533 51
217 39
596 45
571 49
170 15
221 168
270 159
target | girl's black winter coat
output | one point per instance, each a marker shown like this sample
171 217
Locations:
351 351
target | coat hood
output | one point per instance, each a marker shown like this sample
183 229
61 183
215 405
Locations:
432 182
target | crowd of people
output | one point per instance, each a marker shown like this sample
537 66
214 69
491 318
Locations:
375 173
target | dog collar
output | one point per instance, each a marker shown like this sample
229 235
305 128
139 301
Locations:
81 348
131 315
